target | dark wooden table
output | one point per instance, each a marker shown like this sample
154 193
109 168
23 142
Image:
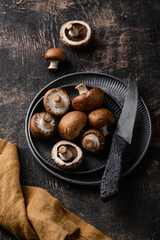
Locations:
126 37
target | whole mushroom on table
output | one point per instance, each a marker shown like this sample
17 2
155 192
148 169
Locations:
75 33
54 56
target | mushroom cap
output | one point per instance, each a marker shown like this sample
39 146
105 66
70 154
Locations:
74 162
100 137
71 125
88 101
81 40
55 54
100 117
49 103
42 131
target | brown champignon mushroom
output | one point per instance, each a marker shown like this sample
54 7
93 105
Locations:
75 33
42 125
57 102
54 56
101 118
93 141
72 124
88 99
67 155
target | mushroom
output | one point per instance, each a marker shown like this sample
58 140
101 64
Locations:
93 141
57 102
88 99
67 155
71 125
75 33
42 125
101 118
54 56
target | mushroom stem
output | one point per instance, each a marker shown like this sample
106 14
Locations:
90 141
47 117
73 31
53 65
81 88
64 153
45 121
57 101
104 130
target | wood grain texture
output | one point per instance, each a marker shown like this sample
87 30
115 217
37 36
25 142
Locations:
125 38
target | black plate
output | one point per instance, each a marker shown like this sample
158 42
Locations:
116 89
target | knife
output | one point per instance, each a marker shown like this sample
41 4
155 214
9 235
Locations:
121 139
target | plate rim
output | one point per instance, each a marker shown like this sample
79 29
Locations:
66 179
38 95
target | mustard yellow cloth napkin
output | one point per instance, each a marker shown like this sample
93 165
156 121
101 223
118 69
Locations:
31 212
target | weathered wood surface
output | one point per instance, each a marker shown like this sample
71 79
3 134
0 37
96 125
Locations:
126 37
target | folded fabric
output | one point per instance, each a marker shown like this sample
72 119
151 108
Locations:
31 212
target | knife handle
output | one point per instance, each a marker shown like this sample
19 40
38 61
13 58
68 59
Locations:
112 173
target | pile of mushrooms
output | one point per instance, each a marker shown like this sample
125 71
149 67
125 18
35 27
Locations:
87 124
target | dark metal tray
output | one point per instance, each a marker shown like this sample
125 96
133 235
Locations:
115 91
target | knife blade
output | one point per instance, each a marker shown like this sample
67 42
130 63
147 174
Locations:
121 139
